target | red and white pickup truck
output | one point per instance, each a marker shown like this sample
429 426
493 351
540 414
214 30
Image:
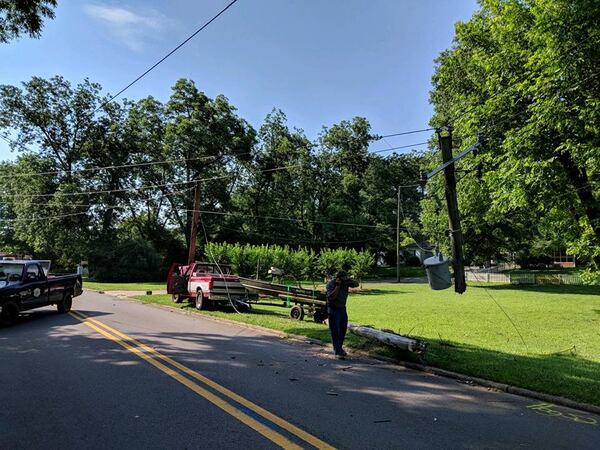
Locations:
207 285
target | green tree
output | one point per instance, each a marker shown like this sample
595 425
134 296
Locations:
269 191
209 139
361 266
24 17
525 73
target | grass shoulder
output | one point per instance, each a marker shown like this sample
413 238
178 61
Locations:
145 286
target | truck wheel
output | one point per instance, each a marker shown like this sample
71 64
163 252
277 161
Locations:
176 298
200 302
64 306
297 313
10 313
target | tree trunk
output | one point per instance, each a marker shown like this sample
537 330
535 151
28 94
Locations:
579 178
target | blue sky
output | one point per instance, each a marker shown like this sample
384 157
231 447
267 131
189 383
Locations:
320 61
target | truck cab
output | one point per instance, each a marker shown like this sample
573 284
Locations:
26 285
208 285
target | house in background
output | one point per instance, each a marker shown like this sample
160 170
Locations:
421 250
562 259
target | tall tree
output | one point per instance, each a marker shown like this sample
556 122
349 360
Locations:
265 190
525 73
206 139
24 17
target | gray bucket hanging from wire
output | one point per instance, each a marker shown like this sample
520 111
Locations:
438 272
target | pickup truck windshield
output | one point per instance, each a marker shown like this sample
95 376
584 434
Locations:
10 272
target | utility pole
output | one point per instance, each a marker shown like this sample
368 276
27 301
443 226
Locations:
398 238
445 142
194 227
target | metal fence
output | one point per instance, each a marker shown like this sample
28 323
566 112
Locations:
524 278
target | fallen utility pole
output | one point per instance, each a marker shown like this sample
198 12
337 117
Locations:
389 338
194 225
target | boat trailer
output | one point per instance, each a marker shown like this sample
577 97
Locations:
305 301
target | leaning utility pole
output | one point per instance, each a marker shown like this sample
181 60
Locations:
398 238
194 227
445 142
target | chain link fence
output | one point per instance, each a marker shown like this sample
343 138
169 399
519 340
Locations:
525 278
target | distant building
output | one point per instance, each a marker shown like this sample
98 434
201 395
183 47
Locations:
421 250
562 259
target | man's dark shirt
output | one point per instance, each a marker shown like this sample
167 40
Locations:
340 301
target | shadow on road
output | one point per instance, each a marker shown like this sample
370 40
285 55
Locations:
299 381
39 316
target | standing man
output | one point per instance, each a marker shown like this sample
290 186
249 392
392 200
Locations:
337 294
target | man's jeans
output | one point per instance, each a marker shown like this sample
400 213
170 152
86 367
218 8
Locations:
338 323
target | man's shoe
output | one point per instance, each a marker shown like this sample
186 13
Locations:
343 353
340 356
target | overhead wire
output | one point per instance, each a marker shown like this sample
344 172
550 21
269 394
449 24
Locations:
402 133
503 311
287 239
399 148
216 263
138 188
349 224
123 166
160 61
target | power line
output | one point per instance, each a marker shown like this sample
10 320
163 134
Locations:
290 219
139 188
156 64
399 148
503 312
121 166
402 133
288 239
91 205
35 219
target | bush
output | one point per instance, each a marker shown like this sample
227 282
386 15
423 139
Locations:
590 277
246 260
363 262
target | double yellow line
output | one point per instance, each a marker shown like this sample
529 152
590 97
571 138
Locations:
158 360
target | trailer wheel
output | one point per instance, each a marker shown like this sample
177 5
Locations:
200 302
176 298
10 313
320 315
64 306
297 313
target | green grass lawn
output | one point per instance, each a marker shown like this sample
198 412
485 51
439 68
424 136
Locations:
147 286
405 271
560 326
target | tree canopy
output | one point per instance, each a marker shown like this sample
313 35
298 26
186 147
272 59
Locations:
273 185
19 17
524 73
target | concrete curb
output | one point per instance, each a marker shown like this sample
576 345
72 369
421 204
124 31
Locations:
467 379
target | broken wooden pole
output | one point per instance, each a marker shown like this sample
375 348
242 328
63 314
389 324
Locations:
389 338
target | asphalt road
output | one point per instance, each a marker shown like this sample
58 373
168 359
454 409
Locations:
120 374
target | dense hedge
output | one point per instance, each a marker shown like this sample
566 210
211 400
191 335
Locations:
299 264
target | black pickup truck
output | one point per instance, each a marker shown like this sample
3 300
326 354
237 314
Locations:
26 285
